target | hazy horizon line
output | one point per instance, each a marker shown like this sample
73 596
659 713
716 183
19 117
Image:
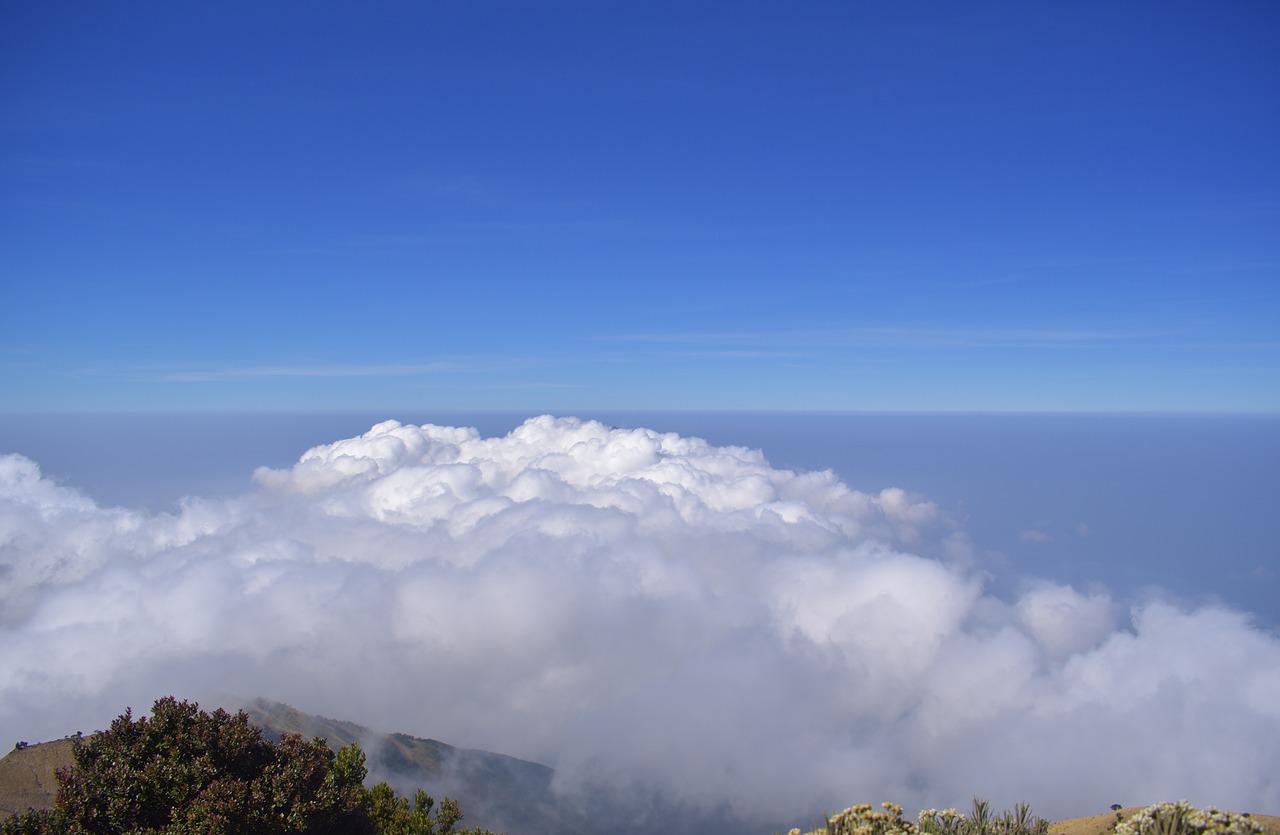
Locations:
616 410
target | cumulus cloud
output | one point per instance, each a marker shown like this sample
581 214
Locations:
643 611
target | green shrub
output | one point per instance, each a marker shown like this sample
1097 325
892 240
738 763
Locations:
395 816
185 771
188 772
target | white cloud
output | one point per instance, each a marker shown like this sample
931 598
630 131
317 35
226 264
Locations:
1065 622
643 608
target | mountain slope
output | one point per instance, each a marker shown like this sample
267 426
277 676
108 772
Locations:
27 779
496 792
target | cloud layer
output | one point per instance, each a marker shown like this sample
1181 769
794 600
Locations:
645 612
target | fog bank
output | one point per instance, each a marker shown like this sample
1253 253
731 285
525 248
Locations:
642 610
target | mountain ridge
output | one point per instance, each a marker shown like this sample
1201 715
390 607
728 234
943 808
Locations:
496 791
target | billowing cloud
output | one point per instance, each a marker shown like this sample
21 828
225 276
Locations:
643 611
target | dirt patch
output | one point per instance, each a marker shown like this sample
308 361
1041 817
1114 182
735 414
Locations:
1092 825
27 778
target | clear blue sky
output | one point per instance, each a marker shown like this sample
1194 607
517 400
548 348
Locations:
576 206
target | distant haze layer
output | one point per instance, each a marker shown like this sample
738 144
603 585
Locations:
648 612
1185 503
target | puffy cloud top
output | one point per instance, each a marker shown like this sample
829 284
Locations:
641 610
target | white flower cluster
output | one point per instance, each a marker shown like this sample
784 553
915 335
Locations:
861 820
1182 818
941 821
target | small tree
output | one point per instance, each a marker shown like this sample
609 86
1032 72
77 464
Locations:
395 816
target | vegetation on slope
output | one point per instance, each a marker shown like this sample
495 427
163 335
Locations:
499 792
863 820
1179 818
185 771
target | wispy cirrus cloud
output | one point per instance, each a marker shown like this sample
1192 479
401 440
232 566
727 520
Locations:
563 228
899 337
252 372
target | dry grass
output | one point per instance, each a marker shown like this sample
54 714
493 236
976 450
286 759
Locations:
27 776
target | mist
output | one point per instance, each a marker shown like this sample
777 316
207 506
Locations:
651 614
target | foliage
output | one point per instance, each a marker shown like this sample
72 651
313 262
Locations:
185 771
1182 818
41 822
981 821
393 814
862 820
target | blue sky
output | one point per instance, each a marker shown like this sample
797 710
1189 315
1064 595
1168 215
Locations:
578 206
293 221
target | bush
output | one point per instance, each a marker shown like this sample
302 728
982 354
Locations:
393 814
184 771
1182 818
981 822
861 820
